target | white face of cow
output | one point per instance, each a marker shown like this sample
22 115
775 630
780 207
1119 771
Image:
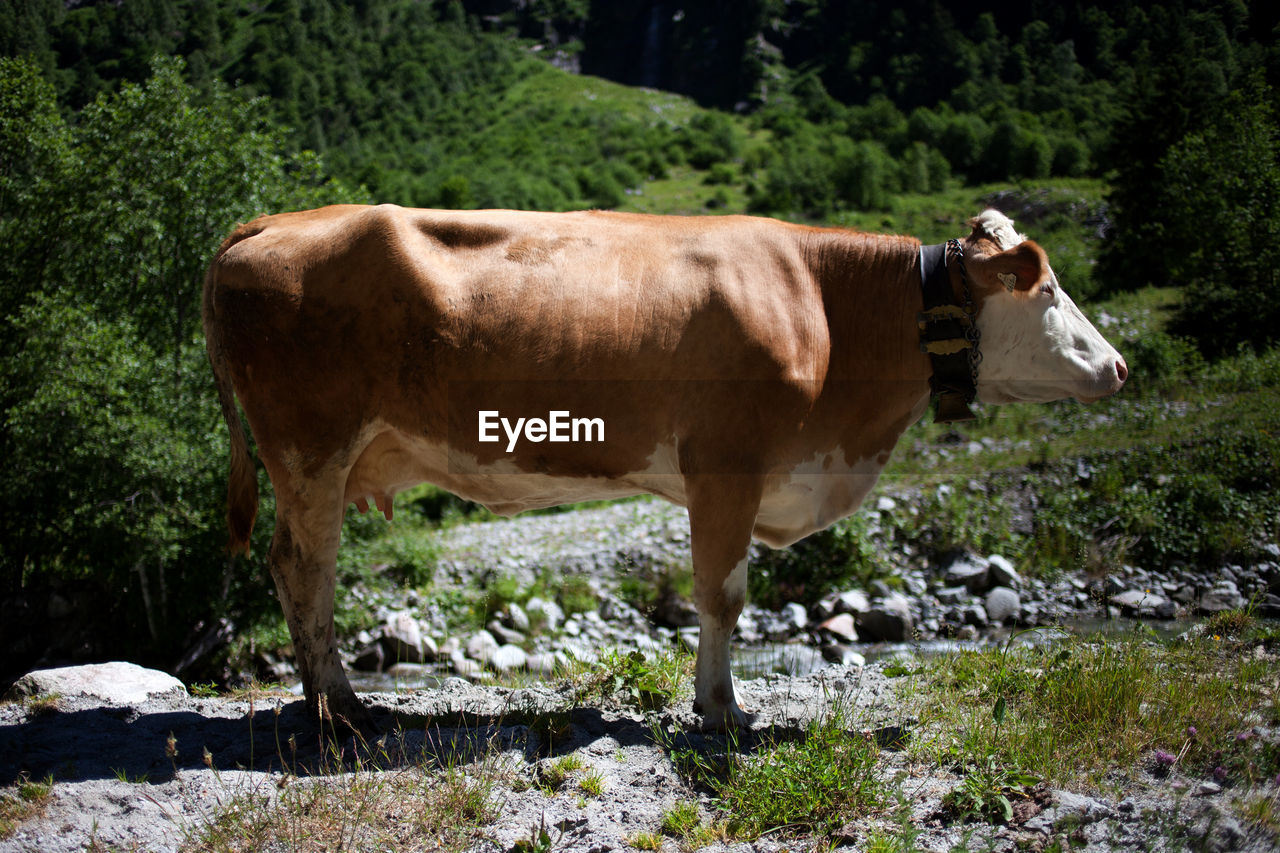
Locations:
1036 345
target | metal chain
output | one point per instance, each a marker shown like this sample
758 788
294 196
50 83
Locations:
955 252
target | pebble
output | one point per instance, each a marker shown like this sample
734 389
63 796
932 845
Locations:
1003 605
842 627
480 643
889 620
402 639
967 571
853 601
1224 596
795 616
963 597
507 658
1001 572
518 618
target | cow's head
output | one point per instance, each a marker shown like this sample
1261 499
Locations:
1036 345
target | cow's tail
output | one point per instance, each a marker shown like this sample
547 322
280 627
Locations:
242 482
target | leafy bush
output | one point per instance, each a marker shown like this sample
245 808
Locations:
830 560
116 450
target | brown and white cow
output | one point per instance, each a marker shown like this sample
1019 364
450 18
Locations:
756 372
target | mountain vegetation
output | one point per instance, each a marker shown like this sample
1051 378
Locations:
134 135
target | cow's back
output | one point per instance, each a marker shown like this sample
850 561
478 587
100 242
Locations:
347 320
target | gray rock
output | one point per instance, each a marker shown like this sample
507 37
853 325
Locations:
503 634
968 571
1217 831
507 658
118 682
415 675
797 659
889 620
880 588
542 663
469 669
1002 573
842 655
1003 605
1068 806
517 618
842 627
975 614
370 659
676 611
480 644
795 616
853 601
1224 596
545 610
824 608
1138 600
952 594
1077 804
402 638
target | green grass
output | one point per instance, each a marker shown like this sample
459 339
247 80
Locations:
645 841
649 683
23 801
1072 712
812 784
592 783
553 774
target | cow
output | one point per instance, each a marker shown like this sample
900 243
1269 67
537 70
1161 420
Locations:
754 371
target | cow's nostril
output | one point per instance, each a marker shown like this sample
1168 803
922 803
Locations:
1122 369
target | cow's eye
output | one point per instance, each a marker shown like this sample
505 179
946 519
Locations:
1048 290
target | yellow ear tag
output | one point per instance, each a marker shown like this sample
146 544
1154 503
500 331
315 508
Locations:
1008 279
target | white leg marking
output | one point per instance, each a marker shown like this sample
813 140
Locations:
713 680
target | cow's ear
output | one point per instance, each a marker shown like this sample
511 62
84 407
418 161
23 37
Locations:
1018 269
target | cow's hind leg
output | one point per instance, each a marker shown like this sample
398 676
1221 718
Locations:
304 554
722 512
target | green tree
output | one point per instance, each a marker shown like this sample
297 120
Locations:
1220 203
166 173
35 164
1180 78
108 421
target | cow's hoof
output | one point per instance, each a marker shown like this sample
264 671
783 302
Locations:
726 718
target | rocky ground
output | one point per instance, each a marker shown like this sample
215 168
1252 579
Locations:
117 787
965 598
143 766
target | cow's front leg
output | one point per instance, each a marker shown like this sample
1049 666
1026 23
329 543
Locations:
722 513
304 554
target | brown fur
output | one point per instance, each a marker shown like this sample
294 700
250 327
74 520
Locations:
757 372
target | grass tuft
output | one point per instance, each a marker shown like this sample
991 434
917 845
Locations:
22 802
814 783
